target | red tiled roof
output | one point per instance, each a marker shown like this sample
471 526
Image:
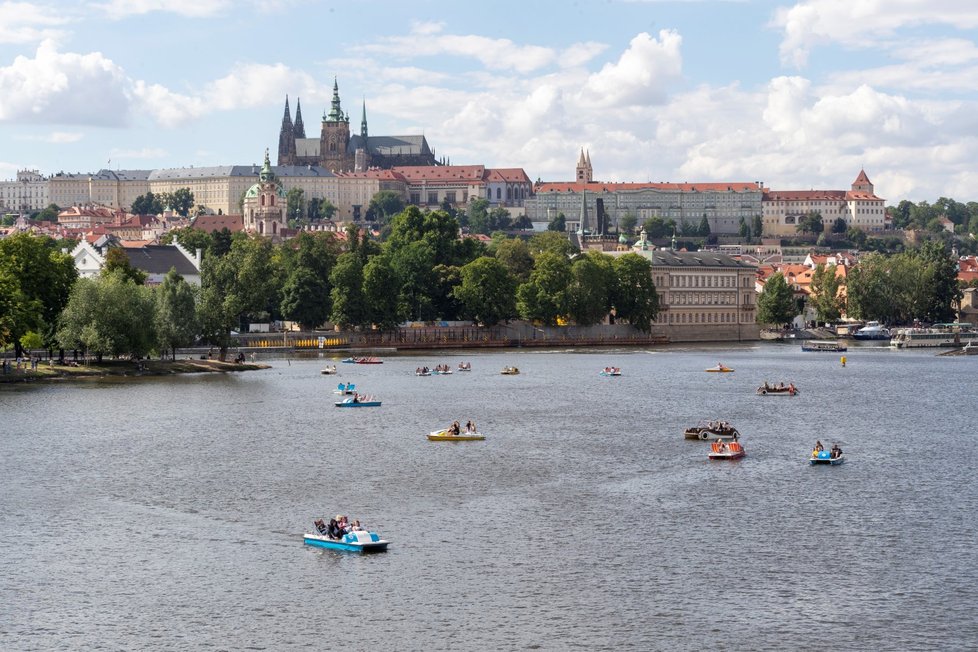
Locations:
209 223
474 173
383 175
508 175
861 178
600 186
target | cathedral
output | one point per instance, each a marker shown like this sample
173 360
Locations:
338 150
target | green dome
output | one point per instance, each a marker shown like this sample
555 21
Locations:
622 239
255 190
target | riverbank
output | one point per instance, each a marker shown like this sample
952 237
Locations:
118 368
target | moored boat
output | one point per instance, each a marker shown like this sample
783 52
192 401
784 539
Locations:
938 335
824 345
722 450
777 390
711 430
355 541
873 330
359 360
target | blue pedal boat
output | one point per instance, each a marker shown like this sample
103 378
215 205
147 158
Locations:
359 541
354 402
825 457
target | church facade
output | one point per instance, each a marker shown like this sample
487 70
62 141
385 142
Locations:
338 150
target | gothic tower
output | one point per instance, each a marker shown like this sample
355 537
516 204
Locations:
286 138
363 122
862 183
299 131
335 137
584 172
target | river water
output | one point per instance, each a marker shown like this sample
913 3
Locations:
167 513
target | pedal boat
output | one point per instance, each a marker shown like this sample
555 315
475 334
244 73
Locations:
726 450
613 372
350 403
358 541
718 370
825 457
707 432
766 390
510 371
444 435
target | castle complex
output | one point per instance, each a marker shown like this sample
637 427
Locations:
337 150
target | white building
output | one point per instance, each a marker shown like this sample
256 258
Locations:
859 207
26 194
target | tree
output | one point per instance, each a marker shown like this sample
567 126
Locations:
546 296
414 265
49 214
117 262
839 226
941 274
487 291
499 219
811 223
594 283
515 255
776 303
181 201
110 315
627 222
635 298
552 242
234 285
522 223
148 204
44 277
175 313
477 215
757 226
558 223
382 307
384 205
17 313
189 238
295 205
743 229
824 293
347 293
306 298
704 228
656 227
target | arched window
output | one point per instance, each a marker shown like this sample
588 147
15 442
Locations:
499 193
263 200
261 228
271 200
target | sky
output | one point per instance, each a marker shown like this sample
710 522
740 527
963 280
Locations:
797 95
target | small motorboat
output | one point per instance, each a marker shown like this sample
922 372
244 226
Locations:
722 450
446 435
347 389
711 430
359 360
510 371
356 541
777 390
719 369
825 457
356 401
464 366
610 371
328 370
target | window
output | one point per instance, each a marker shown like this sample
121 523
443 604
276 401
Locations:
450 196
499 193
432 197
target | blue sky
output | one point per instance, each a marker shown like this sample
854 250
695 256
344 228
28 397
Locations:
797 94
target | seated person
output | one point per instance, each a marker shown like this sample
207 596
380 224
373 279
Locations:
818 446
320 526
836 451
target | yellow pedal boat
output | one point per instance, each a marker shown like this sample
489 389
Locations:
443 435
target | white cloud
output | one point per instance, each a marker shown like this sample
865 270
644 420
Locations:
118 9
642 75
62 137
861 23
426 28
25 22
64 88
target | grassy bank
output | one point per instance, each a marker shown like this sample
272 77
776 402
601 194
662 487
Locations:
119 368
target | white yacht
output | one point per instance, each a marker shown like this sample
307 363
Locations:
956 334
873 330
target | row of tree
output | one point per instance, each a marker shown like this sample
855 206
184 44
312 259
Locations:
897 289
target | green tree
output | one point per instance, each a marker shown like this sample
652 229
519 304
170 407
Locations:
656 227
49 214
306 298
776 303
437 229
31 340
546 296
824 293
515 255
840 226
487 291
477 215
382 305
743 229
175 313
635 298
384 205
558 223
17 312
110 315
148 204
704 228
346 278
295 206
189 238
182 201
233 286
414 265
811 223
856 236
117 262
757 226
551 242
522 223
593 286
941 274
44 276
627 222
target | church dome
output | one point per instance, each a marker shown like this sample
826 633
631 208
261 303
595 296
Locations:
255 190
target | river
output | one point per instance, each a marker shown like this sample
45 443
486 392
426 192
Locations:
167 513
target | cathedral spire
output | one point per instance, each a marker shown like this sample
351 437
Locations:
335 111
363 121
299 130
286 138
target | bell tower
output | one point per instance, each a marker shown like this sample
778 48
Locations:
584 172
335 138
